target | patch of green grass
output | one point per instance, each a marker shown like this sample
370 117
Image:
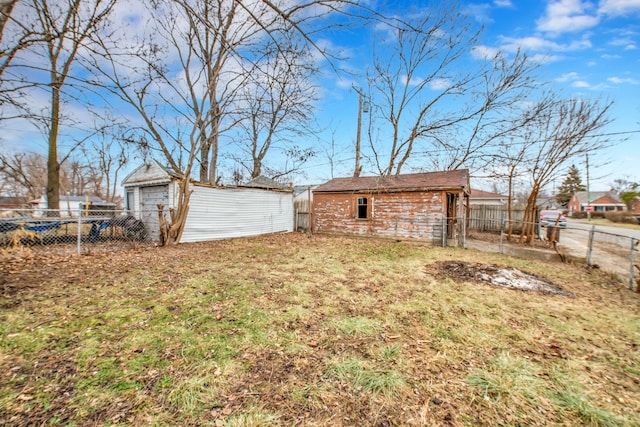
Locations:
390 353
252 417
590 415
358 326
371 380
509 380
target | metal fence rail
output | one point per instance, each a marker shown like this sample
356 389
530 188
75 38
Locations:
613 252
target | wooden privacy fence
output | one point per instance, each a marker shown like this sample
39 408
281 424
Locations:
302 214
490 218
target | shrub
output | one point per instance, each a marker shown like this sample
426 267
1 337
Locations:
621 217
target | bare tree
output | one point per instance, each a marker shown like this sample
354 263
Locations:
56 32
185 78
562 132
25 173
420 96
276 104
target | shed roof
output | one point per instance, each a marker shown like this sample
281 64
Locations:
481 194
457 179
263 182
149 173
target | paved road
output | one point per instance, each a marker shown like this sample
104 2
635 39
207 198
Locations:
585 225
611 247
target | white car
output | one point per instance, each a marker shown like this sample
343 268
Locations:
549 217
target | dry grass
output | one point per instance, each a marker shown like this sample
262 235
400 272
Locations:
290 330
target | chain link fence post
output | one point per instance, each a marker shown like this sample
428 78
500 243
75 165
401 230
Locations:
592 233
79 233
632 263
444 231
501 247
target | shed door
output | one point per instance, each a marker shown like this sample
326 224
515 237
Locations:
150 198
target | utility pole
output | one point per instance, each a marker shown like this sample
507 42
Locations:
358 168
588 193
362 106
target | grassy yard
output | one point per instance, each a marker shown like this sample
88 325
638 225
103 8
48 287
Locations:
291 330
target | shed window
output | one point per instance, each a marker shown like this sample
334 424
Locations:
129 200
362 208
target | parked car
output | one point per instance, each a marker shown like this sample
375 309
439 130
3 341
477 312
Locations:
549 217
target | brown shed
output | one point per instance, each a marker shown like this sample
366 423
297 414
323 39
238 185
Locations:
413 206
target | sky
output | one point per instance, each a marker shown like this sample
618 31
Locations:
587 49
591 49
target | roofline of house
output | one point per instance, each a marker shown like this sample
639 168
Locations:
394 190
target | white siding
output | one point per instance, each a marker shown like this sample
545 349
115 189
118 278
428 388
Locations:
223 213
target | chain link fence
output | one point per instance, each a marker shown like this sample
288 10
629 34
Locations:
72 231
614 251
86 231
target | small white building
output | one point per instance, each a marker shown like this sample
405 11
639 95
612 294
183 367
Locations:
481 197
69 205
258 207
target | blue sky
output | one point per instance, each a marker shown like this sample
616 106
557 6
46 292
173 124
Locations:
587 49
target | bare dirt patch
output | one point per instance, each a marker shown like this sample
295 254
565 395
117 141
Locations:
507 277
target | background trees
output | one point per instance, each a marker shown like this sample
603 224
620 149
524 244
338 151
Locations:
435 107
571 184
226 89
55 32
562 131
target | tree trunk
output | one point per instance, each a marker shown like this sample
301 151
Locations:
53 167
171 231
204 162
6 6
528 222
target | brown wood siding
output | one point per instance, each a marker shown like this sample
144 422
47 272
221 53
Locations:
406 215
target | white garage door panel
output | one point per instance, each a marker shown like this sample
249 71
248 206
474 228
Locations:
150 198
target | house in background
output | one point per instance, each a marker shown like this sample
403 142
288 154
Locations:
423 206
481 197
8 202
69 205
602 201
260 206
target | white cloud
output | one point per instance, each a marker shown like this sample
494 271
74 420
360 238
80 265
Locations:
618 80
439 84
581 84
564 16
540 44
567 76
544 58
623 41
480 12
610 56
414 81
503 3
619 7
484 52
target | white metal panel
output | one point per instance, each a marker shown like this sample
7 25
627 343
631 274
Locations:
223 213
150 198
